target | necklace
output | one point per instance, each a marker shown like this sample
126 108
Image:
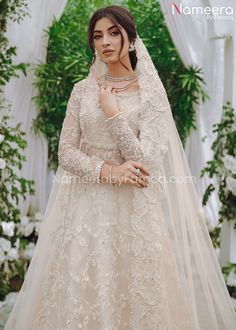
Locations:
127 78
110 78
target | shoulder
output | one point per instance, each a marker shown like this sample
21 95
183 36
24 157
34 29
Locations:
79 85
78 89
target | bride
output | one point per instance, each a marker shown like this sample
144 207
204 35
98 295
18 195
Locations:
123 244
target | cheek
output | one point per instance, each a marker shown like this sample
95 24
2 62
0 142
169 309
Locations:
97 44
125 50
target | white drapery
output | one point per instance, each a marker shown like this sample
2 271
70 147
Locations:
201 41
227 31
31 41
190 36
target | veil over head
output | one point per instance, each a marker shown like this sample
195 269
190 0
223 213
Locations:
176 279
187 256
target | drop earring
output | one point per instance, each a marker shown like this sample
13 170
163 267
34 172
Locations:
96 52
131 48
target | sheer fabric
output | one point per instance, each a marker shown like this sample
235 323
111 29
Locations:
121 257
31 41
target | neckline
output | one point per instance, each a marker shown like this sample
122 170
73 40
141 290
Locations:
121 93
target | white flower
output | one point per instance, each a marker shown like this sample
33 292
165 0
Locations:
5 245
230 163
12 254
2 137
11 298
2 256
37 226
17 243
28 229
231 185
29 251
231 279
38 216
8 228
2 164
24 220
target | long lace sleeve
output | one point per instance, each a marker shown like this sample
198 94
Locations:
150 144
70 158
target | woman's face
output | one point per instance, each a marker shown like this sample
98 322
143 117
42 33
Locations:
107 36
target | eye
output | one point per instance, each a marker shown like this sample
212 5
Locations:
116 32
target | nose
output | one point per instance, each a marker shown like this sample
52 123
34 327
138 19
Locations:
105 40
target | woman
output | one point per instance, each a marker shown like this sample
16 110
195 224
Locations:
123 245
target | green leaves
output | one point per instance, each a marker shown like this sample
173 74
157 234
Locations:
14 10
11 185
12 143
221 166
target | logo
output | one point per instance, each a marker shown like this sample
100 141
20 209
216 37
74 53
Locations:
210 12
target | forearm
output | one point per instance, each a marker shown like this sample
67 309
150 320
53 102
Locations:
129 144
76 162
106 172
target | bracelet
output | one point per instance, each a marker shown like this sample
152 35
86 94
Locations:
110 176
99 170
116 114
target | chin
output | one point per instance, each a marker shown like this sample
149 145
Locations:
111 60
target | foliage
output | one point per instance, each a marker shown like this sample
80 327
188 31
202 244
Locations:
12 188
229 272
14 10
68 58
215 236
11 185
12 143
17 244
223 165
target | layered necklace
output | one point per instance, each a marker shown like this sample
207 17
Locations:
133 78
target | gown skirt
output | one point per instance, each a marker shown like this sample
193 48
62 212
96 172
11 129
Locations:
119 257
91 269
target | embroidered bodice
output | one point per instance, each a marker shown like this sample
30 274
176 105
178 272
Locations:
87 140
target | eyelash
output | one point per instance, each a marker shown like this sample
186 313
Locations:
117 33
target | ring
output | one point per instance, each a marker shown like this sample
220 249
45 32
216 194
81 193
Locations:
137 171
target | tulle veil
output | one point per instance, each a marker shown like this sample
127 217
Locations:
199 273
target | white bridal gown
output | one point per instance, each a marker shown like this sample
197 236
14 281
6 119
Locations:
106 260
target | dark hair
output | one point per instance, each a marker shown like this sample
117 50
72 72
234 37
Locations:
118 15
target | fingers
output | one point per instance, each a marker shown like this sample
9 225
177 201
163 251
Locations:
110 89
139 180
134 182
141 167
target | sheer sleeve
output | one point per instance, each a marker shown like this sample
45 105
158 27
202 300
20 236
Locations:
70 157
150 144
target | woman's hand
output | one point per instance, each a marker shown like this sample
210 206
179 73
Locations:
125 174
107 99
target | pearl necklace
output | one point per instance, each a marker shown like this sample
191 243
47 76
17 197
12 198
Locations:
110 78
127 78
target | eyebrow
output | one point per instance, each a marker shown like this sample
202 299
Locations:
111 27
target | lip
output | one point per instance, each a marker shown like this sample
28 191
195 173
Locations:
108 51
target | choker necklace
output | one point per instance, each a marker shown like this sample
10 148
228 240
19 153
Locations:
115 79
120 89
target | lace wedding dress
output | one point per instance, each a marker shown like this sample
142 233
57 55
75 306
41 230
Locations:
112 257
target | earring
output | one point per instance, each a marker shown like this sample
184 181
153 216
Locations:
131 48
96 52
